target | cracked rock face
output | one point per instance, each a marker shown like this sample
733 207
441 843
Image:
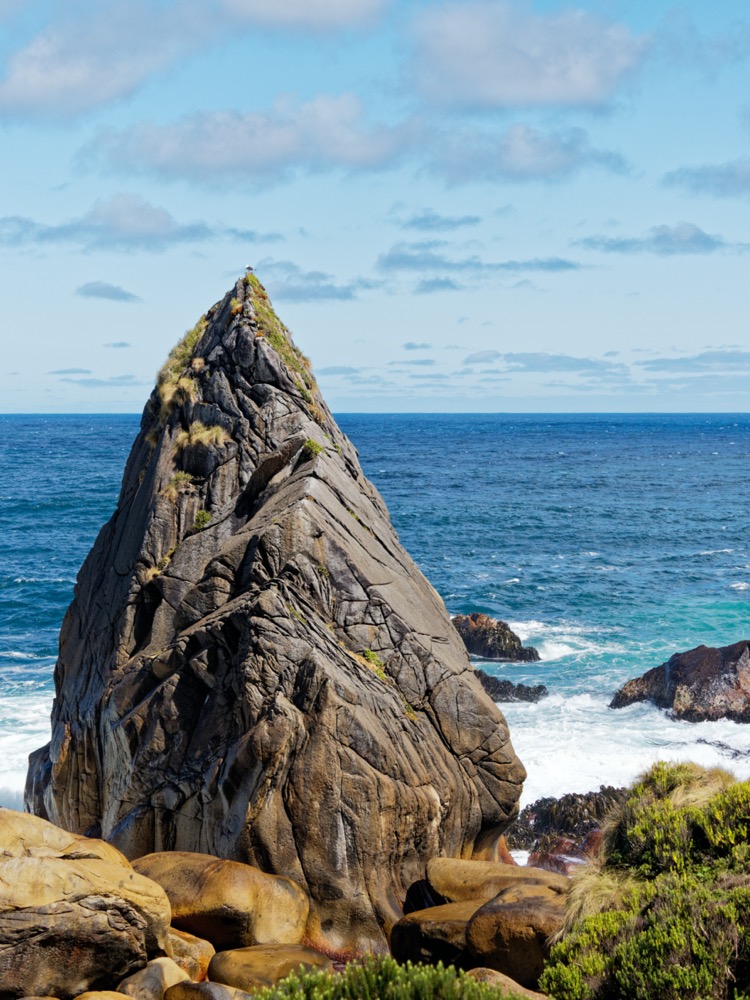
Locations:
252 665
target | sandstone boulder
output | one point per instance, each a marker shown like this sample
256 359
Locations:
74 916
437 934
506 985
700 685
455 880
192 954
252 969
151 982
510 933
253 667
492 639
228 903
204 991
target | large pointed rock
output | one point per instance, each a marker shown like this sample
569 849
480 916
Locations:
253 667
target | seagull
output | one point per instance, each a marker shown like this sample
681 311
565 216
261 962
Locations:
249 268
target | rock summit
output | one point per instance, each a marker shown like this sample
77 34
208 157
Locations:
253 667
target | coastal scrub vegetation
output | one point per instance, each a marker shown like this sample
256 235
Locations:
273 330
385 979
664 911
202 520
173 385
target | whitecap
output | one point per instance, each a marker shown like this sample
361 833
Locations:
739 586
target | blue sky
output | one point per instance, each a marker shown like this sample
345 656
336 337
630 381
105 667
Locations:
470 205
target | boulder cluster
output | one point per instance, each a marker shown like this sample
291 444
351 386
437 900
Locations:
78 920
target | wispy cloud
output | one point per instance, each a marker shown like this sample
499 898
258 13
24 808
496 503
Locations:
289 282
428 286
430 221
683 238
124 222
430 255
321 134
544 362
70 371
337 370
114 382
118 345
306 15
412 345
706 361
722 180
103 290
415 362
484 54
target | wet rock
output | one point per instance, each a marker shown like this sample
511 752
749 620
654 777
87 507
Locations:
492 639
255 968
500 689
575 816
700 685
253 667
74 916
228 903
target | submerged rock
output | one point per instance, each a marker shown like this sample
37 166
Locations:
492 639
500 689
575 815
253 667
700 685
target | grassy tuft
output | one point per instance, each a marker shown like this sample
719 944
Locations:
270 327
311 448
173 383
179 482
199 433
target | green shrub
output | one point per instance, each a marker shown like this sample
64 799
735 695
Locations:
311 448
672 886
202 518
384 979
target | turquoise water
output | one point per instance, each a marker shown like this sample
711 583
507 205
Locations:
609 542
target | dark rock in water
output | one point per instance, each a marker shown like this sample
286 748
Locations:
573 816
253 667
700 685
500 689
492 639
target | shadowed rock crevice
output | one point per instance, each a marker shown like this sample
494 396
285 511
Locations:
253 667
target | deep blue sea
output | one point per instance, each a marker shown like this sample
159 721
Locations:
609 542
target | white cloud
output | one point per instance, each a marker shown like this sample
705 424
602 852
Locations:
323 133
484 53
93 53
519 153
306 14
102 54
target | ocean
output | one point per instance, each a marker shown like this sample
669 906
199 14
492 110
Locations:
609 542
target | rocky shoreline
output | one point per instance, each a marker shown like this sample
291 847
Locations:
269 744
